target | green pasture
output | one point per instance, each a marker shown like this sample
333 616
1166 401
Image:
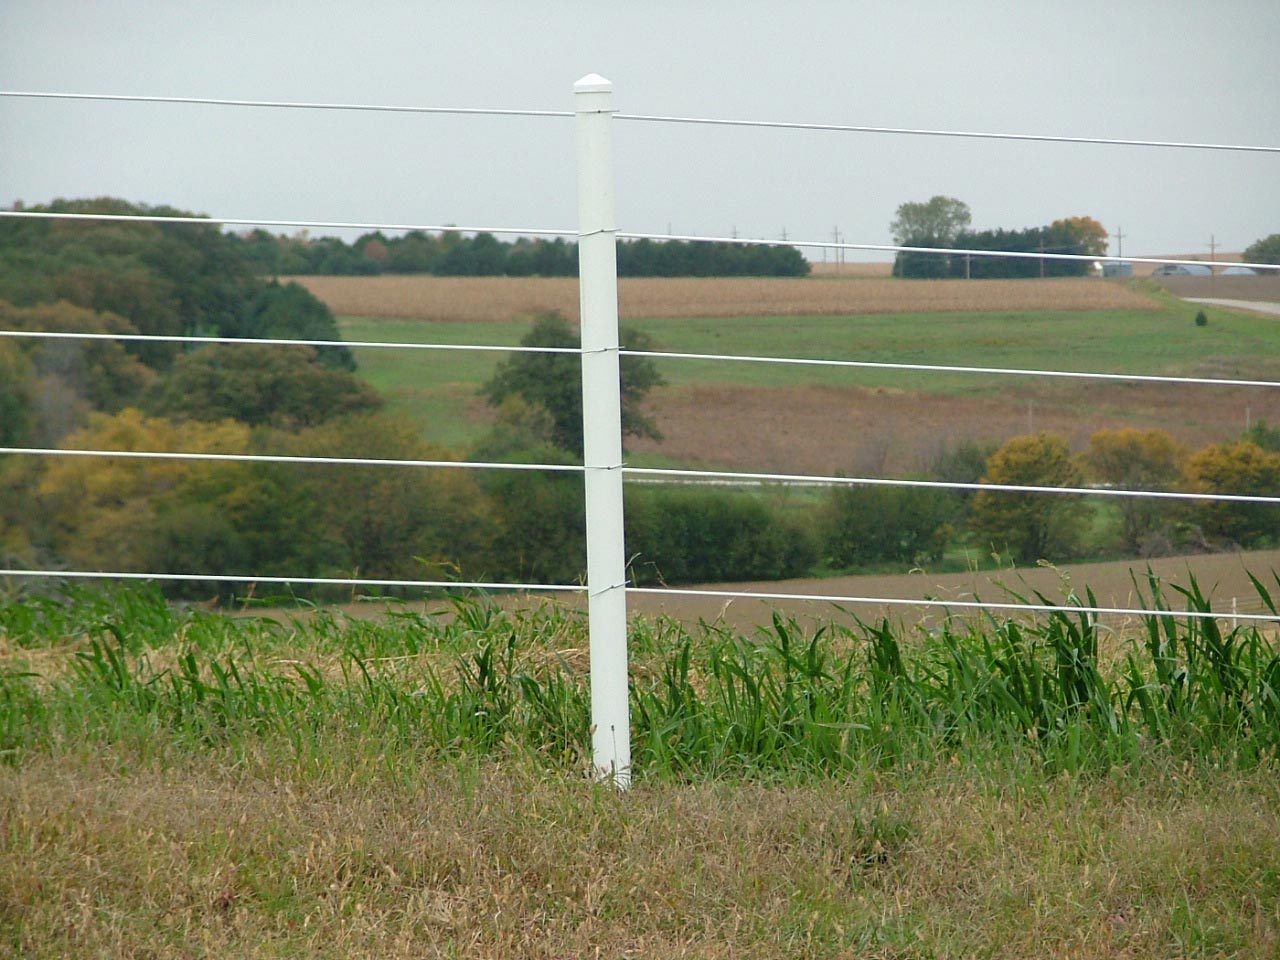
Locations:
437 389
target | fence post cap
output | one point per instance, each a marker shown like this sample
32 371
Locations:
593 83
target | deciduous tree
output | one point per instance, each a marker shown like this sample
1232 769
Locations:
1241 468
553 381
1033 526
1133 459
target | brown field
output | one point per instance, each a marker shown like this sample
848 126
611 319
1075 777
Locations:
1222 577
1263 287
883 432
478 299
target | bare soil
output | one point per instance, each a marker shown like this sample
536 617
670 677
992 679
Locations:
885 432
1223 578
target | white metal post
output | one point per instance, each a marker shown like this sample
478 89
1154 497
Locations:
602 430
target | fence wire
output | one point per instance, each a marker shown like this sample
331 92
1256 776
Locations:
638 473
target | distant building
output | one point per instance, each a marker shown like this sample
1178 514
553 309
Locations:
1182 270
1239 272
1117 269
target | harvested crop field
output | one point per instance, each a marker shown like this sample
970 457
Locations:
1222 577
502 298
883 432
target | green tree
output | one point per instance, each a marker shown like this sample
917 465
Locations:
935 222
1240 468
1130 459
286 387
875 524
1266 250
553 381
1033 526
395 522
17 392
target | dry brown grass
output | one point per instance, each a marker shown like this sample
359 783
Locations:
479 299
113 856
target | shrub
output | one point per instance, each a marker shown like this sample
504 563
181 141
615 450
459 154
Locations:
690 535
877 524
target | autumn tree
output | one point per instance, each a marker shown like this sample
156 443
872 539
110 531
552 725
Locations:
1033 526
1238 468
1131 459
100 512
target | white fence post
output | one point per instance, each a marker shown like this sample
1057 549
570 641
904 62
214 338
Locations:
602 430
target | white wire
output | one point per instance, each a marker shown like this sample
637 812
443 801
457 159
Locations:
953 251
973 135
949 485
307 224
267 458
663 355
328 581
287 104
705 121
943 368
947 604
274 342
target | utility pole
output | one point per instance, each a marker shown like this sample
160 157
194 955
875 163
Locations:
1120 250
1213 274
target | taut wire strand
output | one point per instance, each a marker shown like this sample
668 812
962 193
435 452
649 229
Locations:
945 485
272 458
944 368
326 581
287 104
957 604
966 134
305 224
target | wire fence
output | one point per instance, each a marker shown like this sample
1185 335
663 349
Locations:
631 473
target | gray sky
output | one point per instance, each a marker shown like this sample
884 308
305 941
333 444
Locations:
1168 70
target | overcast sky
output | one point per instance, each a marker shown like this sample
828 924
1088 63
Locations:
1168 70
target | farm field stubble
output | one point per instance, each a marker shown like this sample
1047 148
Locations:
502 298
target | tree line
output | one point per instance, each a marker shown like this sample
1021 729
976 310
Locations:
406 522
454 254
944 222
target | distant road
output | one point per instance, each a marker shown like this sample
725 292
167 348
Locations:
1257 306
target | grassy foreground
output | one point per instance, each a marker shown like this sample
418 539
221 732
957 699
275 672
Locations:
181 784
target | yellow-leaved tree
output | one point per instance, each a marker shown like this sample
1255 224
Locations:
1031 526
1244 468
1131 459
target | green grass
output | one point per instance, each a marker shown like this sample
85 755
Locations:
179 783
434 388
